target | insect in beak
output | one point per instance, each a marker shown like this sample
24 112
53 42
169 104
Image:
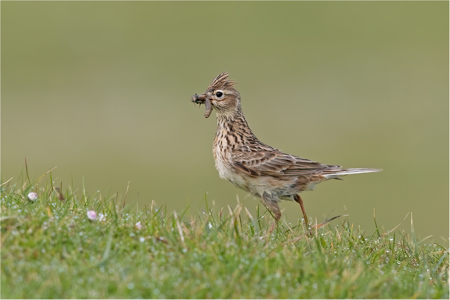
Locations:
203 100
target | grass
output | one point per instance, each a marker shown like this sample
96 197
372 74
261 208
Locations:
50 249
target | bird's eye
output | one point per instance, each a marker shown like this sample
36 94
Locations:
219 94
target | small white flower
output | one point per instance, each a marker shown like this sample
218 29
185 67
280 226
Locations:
210 225
138 225
92 215
142 239
101 217
32 196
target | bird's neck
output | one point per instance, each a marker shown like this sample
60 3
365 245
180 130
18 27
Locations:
234 129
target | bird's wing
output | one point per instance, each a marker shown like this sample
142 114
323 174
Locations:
273 162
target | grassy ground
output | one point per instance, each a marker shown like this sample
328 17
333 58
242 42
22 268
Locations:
50 249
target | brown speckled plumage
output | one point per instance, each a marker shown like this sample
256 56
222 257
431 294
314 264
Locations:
251 165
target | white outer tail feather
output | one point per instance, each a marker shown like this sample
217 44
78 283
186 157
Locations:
344 172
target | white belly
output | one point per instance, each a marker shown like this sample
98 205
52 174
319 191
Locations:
223 166
255 185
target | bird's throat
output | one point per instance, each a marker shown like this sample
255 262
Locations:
233 130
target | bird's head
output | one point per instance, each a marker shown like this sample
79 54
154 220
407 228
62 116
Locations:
222 96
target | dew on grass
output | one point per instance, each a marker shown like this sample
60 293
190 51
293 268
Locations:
132 234
130 286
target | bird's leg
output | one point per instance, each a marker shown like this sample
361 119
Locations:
277 215
272 227
299 200
272 205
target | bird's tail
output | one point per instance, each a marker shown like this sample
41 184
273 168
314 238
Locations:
339 173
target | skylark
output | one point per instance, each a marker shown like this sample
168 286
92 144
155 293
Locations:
253 166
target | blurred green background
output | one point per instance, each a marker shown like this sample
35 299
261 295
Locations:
102 90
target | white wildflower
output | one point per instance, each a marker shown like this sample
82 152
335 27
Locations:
32 196
138 225
92 215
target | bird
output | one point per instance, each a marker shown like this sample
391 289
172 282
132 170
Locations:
264 171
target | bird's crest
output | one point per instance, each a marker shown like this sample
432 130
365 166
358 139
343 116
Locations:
222 82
